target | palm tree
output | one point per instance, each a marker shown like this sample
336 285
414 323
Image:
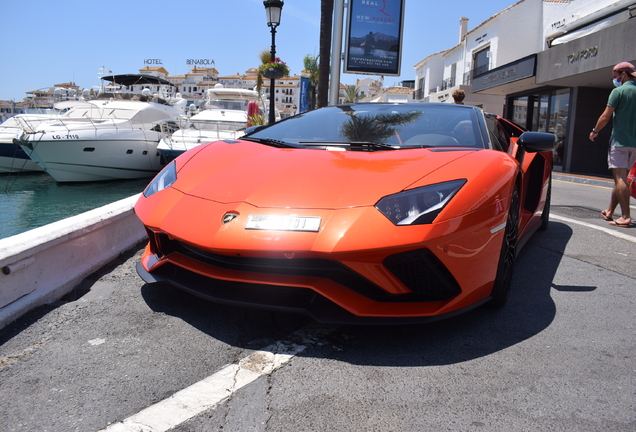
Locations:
326 22
264 56
352 94
311 67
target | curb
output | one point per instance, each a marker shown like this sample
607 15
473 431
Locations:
42 265
575 178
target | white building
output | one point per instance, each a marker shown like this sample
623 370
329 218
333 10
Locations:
368 87
193 86
510 34
544 64
394 95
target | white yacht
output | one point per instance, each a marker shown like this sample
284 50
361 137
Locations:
102 140
224 116
12 158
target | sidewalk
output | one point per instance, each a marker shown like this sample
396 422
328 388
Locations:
580 178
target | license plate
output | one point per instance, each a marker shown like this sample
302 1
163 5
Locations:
283 223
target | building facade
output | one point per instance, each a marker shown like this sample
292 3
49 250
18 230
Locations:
193 86
508 35
544 64
563 87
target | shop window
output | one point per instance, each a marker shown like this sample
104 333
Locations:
544 112
540 113
559 106
520 110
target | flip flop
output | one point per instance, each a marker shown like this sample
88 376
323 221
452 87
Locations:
606 217
623 225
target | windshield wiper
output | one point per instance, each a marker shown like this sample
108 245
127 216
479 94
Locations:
362 145
270 142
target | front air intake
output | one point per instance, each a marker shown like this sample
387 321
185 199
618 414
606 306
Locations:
423 273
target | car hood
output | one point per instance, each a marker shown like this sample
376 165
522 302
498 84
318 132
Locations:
265 176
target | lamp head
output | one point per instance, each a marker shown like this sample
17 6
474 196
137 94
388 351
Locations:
273 9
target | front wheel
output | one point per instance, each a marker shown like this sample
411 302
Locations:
503 280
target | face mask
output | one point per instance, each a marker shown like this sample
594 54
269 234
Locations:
617 82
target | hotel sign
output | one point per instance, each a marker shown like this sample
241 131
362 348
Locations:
524 68
199 62
189 62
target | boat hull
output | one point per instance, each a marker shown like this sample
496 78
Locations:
13 159
95 160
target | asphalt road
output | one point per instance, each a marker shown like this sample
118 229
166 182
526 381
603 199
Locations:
560 356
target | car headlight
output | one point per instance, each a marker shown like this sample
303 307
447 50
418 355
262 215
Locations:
418 206
163 180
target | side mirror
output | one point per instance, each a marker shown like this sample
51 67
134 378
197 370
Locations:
534 142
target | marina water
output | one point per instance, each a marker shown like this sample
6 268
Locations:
32 200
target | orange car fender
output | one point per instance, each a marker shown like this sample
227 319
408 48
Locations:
153 210
185 157
490 176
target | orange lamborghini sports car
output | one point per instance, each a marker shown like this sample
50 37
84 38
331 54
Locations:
358 213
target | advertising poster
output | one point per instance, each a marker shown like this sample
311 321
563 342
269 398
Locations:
304 95
373 44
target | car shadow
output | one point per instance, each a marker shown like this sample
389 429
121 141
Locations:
475 334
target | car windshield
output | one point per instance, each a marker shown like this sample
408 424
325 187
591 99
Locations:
376 126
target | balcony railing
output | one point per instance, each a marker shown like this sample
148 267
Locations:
480 70
418 94
448 83
469 76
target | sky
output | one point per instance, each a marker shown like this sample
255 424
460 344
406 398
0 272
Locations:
52 42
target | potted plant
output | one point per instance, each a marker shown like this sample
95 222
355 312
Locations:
274 69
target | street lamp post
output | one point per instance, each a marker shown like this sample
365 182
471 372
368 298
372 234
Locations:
273 9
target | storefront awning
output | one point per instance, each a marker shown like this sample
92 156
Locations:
587 30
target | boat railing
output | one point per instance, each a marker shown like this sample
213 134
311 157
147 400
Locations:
218 126
74 123
167 128
205 128
29 123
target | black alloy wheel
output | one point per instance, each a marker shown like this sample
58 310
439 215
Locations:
503 280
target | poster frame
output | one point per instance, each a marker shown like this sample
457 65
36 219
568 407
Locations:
355 8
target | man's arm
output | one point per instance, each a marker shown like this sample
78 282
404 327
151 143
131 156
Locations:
602 121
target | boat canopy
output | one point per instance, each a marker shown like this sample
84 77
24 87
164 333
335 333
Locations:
219 92
134 113
132 79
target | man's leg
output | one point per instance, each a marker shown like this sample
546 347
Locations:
620 195
608 213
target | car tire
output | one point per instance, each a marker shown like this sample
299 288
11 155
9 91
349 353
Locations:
545 216
501 288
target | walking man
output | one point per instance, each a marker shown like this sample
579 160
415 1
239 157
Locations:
621 105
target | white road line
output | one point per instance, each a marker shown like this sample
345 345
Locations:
609 231
216 388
